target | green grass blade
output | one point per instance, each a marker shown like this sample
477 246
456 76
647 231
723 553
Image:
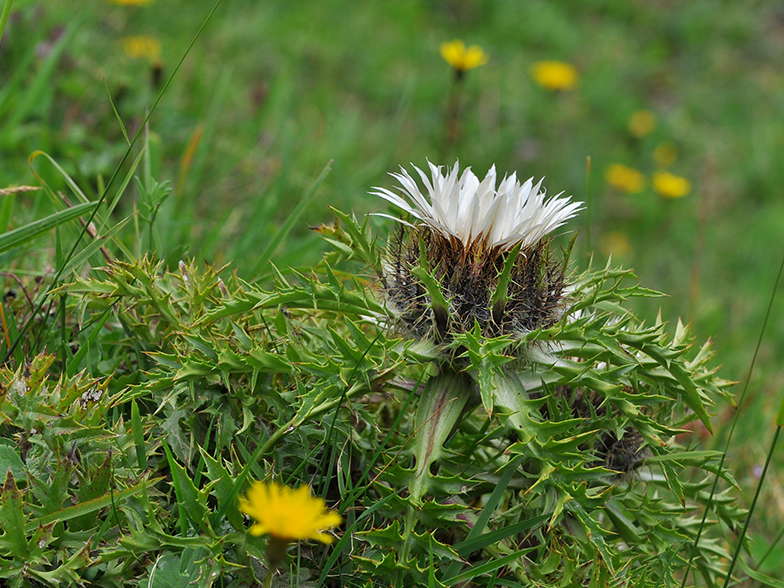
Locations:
28 232
289 224
12 87
42 81
4 16
75 189
761 578
484 516
73 365
56 279
7 210
338 550
734 423
469 546
742 535
185 492
138 436
87 506
116 114
488 567
91 249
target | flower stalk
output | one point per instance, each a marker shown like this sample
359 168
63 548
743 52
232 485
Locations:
461 59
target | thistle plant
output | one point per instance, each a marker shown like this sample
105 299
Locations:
475 410
594 397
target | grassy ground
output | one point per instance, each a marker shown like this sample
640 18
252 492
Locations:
273 91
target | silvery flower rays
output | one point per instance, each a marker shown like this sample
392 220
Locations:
476 213
478 255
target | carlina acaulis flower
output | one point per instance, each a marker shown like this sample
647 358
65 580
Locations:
474 253
287 515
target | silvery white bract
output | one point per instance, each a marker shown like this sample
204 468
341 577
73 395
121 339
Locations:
475 212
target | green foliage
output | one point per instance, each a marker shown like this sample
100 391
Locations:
501 474
139 400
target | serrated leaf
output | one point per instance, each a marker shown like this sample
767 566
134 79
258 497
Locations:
190 500
13 540
9 458
222 484
175 570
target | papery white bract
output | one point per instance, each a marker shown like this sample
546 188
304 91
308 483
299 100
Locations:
476 213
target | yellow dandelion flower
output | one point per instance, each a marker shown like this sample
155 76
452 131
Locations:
642 123
130 2
665 154
139 47
555 75
462 58
288 514
626 179
668 185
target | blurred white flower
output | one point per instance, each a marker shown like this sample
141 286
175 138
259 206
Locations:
476 213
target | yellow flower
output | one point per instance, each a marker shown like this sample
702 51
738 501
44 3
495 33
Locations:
614 243
555 75
461 58
626 179
288 514
665 154
668 185
130 2
138 47
642 123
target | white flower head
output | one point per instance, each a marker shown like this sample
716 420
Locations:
478 213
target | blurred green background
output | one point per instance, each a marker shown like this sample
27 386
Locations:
274 90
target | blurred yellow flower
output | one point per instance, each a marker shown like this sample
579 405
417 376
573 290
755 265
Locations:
138 47
626 179
614 243
461 58
668 185
642 123
130 2
555 75
288 514
665 154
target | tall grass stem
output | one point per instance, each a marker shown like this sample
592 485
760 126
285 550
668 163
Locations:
588 207
4 16
751 509
733 424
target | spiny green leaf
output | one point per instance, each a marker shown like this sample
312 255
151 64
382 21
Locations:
13 540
